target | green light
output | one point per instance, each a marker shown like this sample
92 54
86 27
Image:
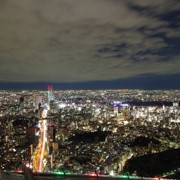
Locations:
58 173
123 176
61 173
126 177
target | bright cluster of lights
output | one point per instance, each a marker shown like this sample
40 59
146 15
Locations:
29 165
62 105
112 173
44 113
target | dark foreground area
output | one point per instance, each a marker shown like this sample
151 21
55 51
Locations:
159 164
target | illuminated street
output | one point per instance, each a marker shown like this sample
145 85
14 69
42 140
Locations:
41 152
42 148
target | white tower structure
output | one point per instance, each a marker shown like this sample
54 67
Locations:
50 94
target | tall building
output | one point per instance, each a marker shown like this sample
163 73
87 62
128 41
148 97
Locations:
37 101
50 94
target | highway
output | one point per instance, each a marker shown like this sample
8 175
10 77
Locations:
41 151
43 142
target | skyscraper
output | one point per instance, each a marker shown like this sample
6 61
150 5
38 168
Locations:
37 101
50 94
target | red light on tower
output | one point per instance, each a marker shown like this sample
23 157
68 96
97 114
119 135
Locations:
50 88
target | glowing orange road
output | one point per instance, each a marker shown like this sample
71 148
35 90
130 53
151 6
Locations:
41 152
43 141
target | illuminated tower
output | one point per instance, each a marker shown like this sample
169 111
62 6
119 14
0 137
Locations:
50 94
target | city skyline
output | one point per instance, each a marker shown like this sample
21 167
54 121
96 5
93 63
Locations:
101 133
88 44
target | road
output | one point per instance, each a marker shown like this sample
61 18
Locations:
42 148
41 153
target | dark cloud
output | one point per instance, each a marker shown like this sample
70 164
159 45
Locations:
86 40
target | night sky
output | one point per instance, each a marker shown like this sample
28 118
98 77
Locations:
90 44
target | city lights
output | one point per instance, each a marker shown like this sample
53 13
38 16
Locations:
89 134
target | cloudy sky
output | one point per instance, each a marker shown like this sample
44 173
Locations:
81 41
